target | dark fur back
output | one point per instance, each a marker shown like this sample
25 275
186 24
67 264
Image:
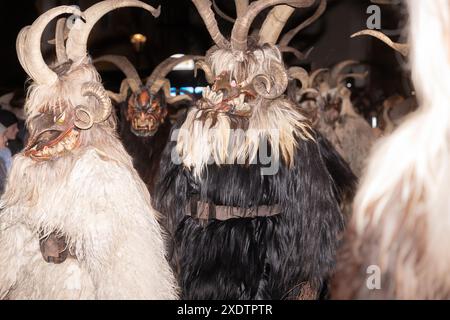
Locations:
145 151
254 258
344 179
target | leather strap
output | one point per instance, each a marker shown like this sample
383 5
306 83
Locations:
208 211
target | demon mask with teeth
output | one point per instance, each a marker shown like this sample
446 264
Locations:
147 106
248 80
57 129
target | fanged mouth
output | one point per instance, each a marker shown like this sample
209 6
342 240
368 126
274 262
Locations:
143 128
64 143
235 105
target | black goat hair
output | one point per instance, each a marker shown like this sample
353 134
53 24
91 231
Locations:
145 151
261 257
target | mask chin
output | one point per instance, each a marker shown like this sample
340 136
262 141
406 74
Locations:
144 132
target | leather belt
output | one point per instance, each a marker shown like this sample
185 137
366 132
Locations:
208 211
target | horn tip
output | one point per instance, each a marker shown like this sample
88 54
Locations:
157 12
362 33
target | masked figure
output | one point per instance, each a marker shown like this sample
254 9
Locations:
248 190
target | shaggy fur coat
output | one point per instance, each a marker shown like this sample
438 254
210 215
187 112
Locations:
145 151
272 257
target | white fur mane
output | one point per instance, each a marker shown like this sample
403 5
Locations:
406 186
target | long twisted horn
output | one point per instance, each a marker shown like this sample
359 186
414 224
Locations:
274 24
163 69
205 11
79 34
402 48
243 23
61 33
85 117
287 38
126 67
241 7
28 45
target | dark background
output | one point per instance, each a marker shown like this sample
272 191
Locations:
180 29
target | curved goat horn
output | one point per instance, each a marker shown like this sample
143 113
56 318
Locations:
126 67
209 74
61 33
241 7
163 69
222 14
270 87
301 75
402 48
297 53
28 45
337 70
78 36
60 37
205 11
85 117
274 24
287 38
315 74
243 23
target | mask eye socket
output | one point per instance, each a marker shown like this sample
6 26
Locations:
154 106
60 119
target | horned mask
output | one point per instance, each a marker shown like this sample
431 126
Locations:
66 102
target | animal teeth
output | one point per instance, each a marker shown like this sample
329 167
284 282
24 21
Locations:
59 148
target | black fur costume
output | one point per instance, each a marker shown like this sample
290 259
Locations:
262 257
145 151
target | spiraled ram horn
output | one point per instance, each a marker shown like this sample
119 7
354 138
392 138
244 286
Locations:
402 48
243 23
301 75
78 36
85 117
205 11
270 86
133 79
28 45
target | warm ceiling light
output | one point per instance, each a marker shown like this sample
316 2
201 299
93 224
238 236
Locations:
138 40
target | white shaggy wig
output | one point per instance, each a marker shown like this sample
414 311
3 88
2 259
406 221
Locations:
401 217
277 122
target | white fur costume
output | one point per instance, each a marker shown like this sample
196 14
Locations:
91 195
